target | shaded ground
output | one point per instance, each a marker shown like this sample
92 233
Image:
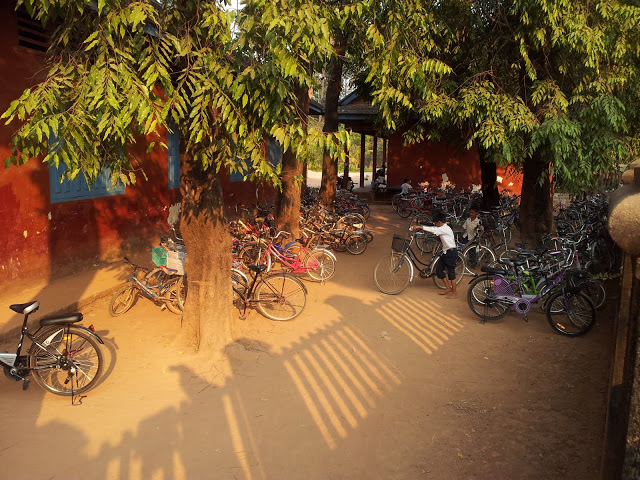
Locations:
361 386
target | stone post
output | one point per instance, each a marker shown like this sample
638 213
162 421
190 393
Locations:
621 453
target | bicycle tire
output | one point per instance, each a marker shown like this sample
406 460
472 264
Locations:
369 235
280 296
571 313
68 347
596 291
320 265
253 254
356 243
182 292
601 260
170 289
239 284
404 210
426 243
480 299
123 300
460 272
485 256
392 273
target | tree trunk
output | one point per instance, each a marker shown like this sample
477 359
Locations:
536 205
288 202
489 179
206 321
334 87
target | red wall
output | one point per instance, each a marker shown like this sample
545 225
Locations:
427 162
44 239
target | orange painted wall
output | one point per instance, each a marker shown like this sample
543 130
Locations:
427 162
43 239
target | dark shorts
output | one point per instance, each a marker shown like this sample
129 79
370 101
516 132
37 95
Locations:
448 261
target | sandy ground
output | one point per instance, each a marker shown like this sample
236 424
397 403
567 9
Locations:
361 385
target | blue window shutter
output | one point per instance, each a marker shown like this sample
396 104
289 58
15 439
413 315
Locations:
173 153
78 189
274 151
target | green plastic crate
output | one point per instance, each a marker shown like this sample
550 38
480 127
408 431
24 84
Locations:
159 256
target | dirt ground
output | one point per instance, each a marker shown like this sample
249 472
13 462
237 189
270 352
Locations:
361 385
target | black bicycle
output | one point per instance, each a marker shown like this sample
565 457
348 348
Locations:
65 358
278 296
393 272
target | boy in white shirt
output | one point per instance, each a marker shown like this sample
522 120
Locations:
405 187
449 257
470 227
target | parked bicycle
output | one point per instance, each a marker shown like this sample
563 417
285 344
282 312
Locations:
277 296
65 358
393 272
568 310
158 285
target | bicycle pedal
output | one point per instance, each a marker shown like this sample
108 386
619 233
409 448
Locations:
524 317
25 384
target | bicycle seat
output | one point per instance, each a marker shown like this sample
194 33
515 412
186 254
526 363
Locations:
25 308
257 268
61 319
495 271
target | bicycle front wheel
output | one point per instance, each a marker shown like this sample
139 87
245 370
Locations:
280 296
392 273
482 301
571 313
71 363
320 265
476 257
123 300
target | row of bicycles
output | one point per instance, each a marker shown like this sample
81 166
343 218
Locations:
565 275
268 266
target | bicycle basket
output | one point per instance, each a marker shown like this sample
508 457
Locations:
399 244
502 287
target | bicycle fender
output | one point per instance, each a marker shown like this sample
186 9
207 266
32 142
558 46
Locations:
90 332
327 251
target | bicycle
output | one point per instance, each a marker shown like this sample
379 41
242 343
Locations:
65 358
277 296
491 295
318 263
393 272
158 285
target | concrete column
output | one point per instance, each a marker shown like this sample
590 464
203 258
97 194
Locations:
363 139
345 176
375 156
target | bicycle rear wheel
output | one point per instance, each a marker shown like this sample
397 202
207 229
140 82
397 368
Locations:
171 290
280 296
482 301
320 265
392 273
71 363
460 271
123 300
356 243
595 290
571 313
